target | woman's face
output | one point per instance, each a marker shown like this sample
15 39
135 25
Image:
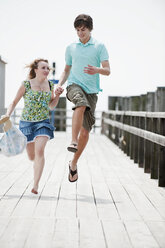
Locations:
43 69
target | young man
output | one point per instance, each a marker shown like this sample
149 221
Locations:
82 69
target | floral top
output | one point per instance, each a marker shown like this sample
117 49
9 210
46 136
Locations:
36 103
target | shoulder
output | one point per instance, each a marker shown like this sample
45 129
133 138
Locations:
72 45
98 43
26 84
101 49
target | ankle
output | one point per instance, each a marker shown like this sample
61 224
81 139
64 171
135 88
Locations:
74 141
73 164
35 186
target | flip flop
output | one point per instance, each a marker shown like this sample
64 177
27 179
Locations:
72 173
72 147
4 119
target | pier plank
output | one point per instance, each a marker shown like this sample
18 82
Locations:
113 203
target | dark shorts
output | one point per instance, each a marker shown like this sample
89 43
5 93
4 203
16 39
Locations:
38 128
79 97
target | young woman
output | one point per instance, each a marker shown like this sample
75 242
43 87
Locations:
39 97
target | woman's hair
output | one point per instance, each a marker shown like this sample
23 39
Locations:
83 21
33 66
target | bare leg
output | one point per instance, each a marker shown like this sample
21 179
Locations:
82 142
77 120
30 151
39 160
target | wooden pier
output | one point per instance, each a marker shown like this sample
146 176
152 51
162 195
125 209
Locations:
114 204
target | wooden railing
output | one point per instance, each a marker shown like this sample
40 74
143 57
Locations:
60 118
141 135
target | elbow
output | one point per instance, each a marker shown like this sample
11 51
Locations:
51 108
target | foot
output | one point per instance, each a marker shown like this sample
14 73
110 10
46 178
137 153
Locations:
72 147
73 175
34 191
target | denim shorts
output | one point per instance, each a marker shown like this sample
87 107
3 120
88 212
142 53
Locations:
38 128
79 97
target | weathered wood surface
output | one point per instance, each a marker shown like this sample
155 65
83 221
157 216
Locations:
114 203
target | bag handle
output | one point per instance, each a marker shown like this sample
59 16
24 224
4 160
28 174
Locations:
7 125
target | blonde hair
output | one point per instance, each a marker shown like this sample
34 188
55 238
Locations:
33 66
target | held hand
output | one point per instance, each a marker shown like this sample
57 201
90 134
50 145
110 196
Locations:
59 90
91 70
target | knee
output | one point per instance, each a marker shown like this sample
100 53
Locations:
31 157
39 152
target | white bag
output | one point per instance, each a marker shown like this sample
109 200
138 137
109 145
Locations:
12 142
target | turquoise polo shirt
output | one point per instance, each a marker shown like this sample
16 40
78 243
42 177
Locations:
78 56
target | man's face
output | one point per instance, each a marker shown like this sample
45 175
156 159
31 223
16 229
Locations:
83 33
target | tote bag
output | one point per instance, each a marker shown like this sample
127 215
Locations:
12 142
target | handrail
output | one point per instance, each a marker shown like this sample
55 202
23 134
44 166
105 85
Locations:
153 137
138 113
141 135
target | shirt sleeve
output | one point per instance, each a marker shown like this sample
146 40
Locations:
103 53
68 57
26 84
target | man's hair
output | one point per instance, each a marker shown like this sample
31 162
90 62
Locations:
83 21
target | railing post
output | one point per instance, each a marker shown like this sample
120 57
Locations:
147 148
128 136
102 123
109 128
131 139
142 102
160 99
125 135
155 151
141 144
136 141
161 170
116 131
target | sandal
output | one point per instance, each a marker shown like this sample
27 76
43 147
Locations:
72 147
72 173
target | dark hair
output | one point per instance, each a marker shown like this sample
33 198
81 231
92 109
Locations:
33 66
83 20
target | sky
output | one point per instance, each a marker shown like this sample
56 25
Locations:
133 32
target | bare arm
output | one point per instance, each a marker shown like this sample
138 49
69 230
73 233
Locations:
64 75
63 79
104 70
19 95
55 98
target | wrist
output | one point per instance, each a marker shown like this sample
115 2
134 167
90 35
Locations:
98 69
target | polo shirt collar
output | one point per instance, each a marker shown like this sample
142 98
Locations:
90 42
